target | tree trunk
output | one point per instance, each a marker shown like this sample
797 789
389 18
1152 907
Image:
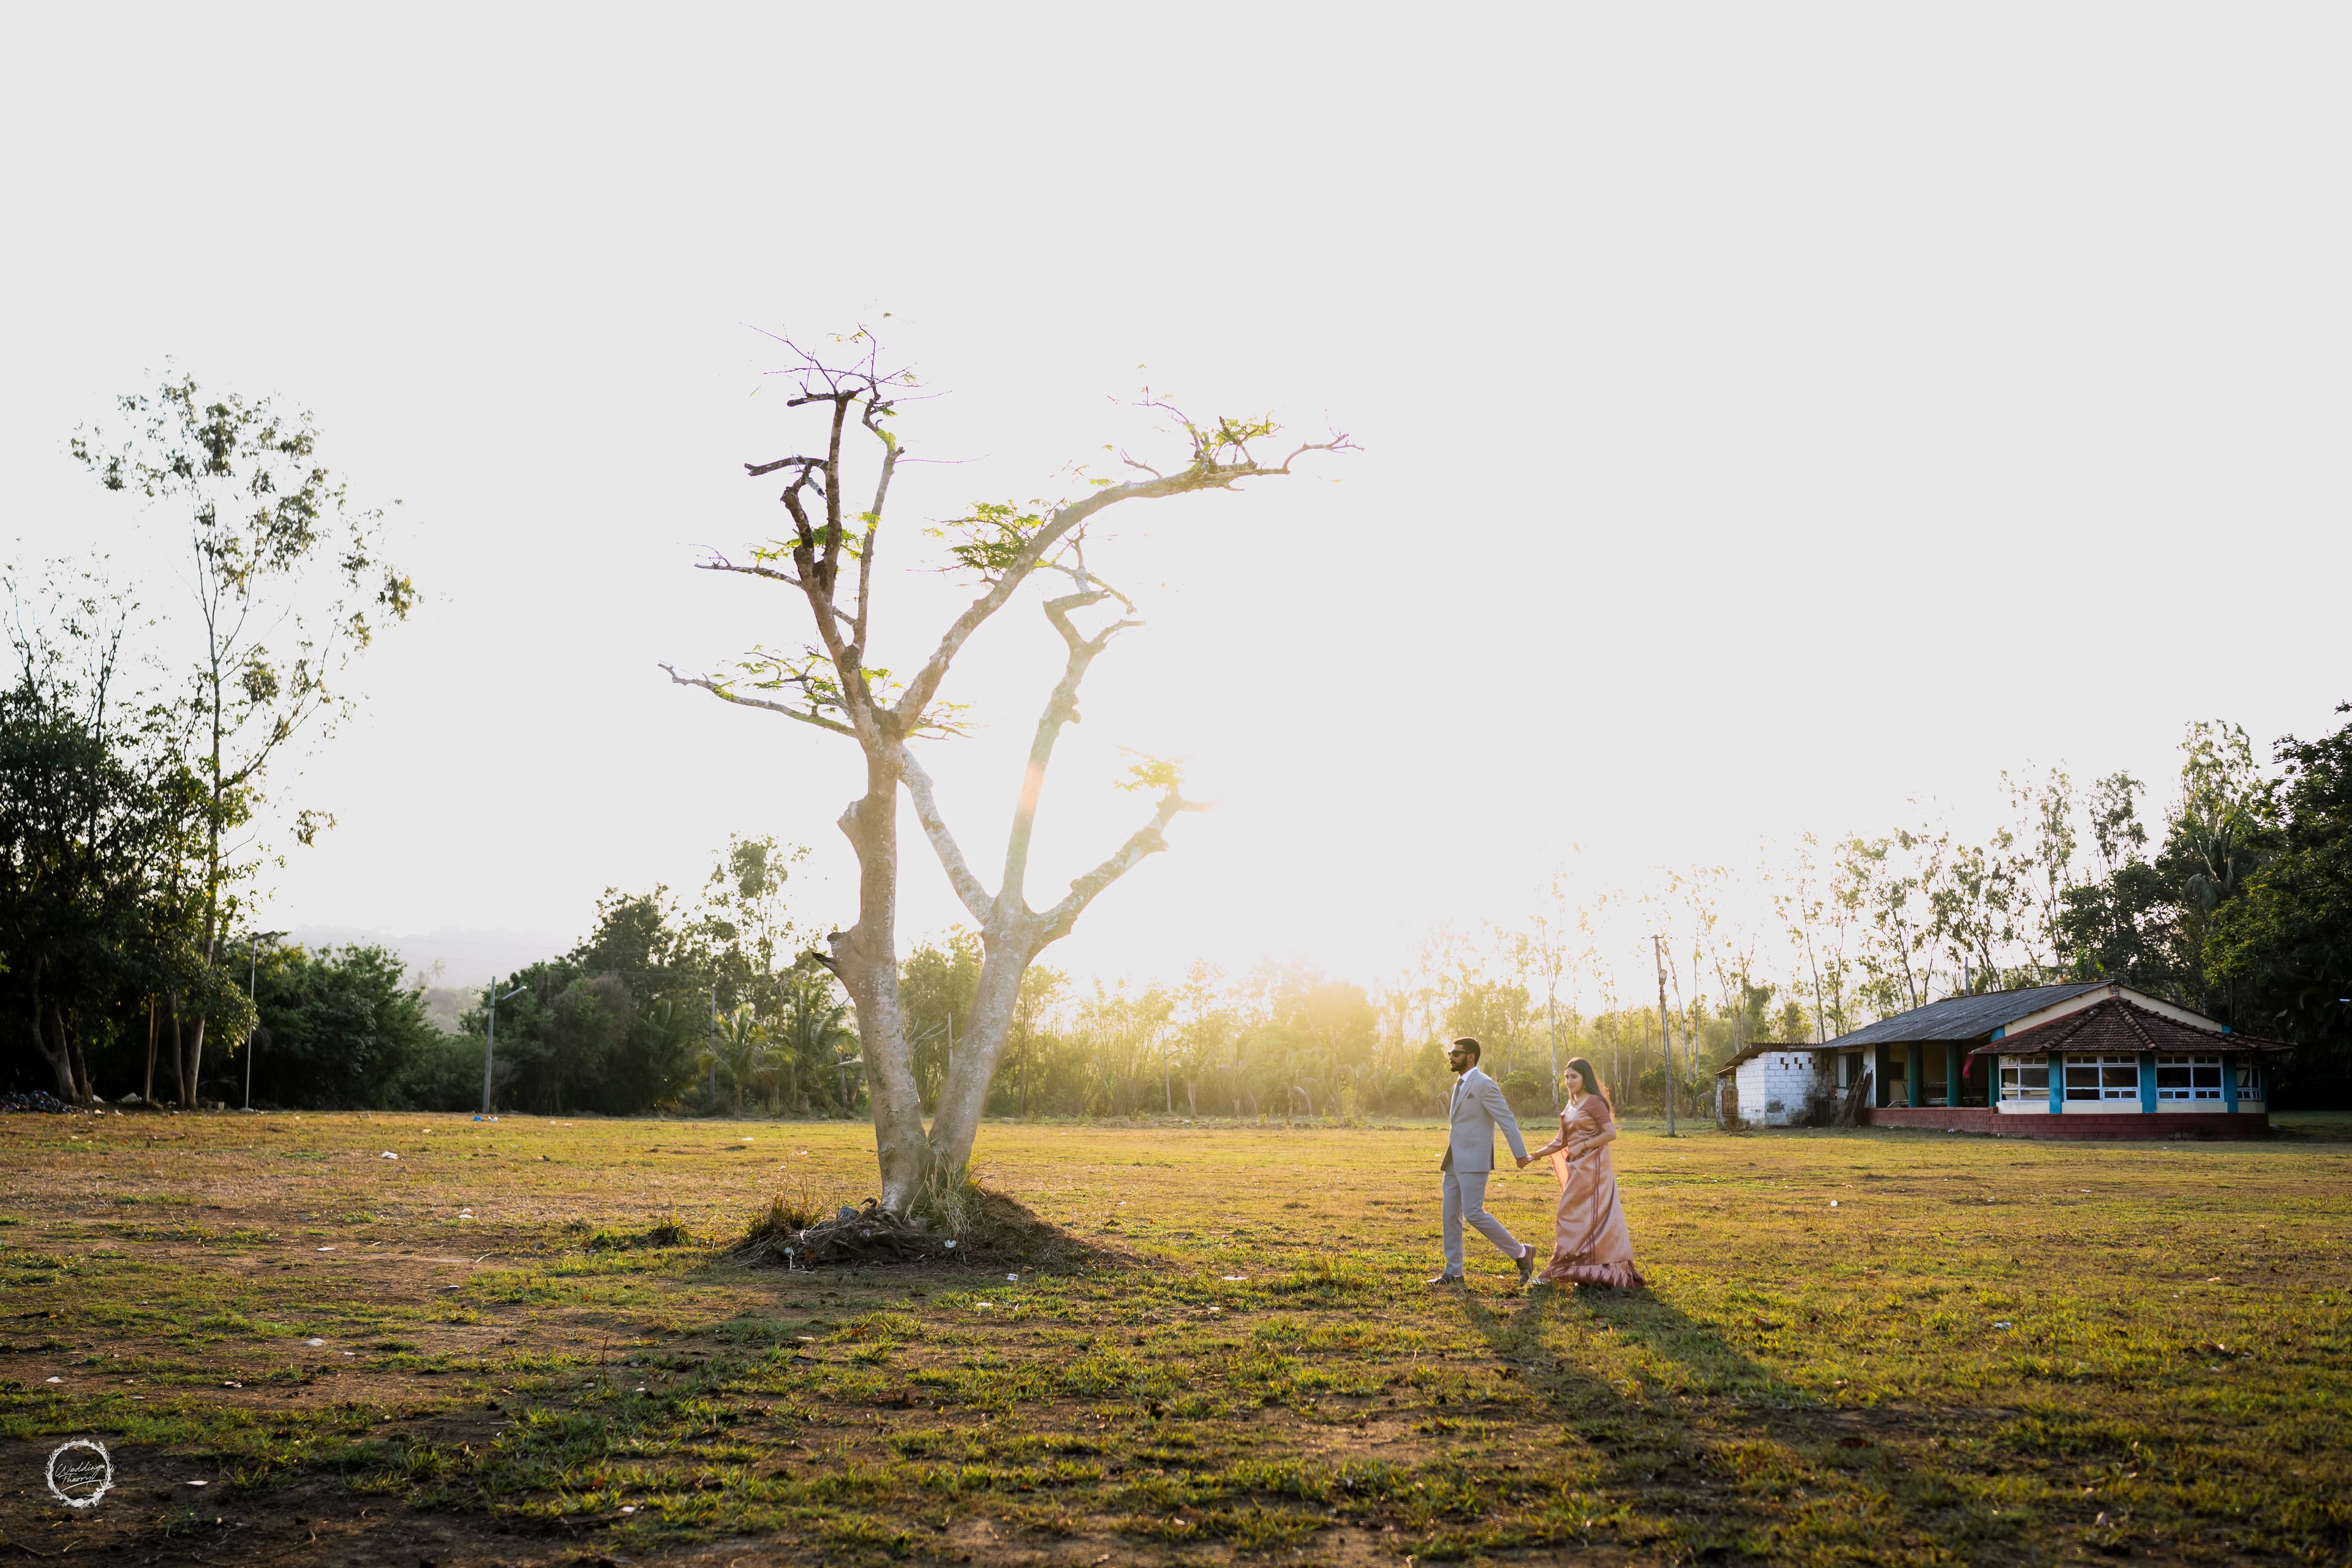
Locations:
147 1088
84 1092
179 1057
1006 950
61 1067
192 1071
866 960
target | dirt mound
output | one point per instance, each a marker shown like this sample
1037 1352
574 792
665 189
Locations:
995 1232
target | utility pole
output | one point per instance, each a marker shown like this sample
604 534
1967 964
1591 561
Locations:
252 969
490 1038
1666 1034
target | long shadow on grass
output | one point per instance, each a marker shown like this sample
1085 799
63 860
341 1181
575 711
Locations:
1711 1452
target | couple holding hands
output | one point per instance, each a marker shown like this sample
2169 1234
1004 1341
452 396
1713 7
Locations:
1590 1243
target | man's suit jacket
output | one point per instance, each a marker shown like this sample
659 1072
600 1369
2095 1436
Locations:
1478 1110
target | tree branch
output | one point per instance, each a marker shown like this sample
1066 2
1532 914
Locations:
1061 708
1148 839
875 409
719 690
967 886
721 563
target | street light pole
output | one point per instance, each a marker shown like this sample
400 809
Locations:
490 1039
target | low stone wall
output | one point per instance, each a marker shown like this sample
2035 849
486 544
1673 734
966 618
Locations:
2074 1124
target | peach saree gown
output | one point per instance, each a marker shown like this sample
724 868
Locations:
1590 1245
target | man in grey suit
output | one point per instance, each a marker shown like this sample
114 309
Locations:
1478 1110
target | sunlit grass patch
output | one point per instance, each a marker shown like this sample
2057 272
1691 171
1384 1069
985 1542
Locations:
1795 1386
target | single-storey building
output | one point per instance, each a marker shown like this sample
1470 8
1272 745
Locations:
1772 1083
2085 1059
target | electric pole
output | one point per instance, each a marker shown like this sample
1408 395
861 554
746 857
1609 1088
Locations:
252 969
490 1038
1666 1034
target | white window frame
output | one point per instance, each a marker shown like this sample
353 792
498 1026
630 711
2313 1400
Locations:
2110 1079
2015 1089
2183 1078
2249 1086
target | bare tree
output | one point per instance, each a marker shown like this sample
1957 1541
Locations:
833 687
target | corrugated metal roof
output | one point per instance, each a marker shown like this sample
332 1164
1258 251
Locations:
1962 1017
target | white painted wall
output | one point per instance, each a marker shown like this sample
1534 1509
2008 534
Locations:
1773 1088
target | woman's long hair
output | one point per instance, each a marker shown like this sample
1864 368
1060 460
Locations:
1591 1076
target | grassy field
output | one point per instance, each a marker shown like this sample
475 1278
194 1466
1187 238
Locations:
1860 1347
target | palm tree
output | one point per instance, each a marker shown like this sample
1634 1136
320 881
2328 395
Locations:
740 1047
816 1032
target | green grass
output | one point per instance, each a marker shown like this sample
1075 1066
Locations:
1986 1352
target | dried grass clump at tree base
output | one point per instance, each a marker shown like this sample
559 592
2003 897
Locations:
957 1222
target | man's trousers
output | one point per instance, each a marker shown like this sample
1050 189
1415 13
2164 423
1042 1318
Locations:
1466 1199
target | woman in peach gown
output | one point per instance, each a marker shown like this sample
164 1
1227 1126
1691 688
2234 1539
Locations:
1590 1243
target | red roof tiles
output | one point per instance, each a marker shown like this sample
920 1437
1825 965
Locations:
2117 1028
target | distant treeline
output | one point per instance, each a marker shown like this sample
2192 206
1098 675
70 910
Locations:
2238 905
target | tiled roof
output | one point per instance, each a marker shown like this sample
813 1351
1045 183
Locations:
2117 1028
1962 1017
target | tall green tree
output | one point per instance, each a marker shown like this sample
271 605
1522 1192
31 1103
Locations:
99 820
2282 948
2149 920
337 1027
287 585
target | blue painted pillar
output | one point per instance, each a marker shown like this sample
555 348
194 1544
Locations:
1953 1062
1915 1068
2230 1082
2057 1082
2147 1082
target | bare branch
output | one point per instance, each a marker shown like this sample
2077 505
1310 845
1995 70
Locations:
756 469
1061 708
1148 839
976 898
718 689
875 409
721 563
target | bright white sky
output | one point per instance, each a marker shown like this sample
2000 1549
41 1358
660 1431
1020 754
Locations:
1770 413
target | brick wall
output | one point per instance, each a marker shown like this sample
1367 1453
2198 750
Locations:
2076 1125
